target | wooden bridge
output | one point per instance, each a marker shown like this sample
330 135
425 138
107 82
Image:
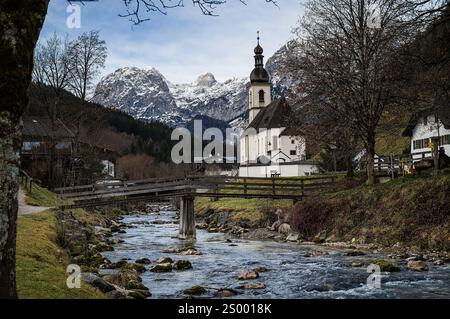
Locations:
187 188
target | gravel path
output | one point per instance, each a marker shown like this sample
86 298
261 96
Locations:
25 209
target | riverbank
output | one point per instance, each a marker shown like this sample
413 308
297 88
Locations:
41 262
407 216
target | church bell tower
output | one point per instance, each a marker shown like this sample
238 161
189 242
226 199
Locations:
260 88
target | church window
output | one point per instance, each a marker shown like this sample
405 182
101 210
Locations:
293 152
261 96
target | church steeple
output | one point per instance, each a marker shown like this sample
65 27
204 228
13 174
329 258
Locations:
259 74
260 88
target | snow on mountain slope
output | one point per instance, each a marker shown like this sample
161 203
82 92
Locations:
142 93
145 94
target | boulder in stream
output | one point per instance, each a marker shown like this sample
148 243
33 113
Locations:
164 260
167 267
195 291
387 266
417 265
247 275
182 265
226 293
253 286
143 261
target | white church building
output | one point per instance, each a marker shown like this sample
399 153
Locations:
269 146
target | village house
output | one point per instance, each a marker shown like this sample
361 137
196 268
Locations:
269 146
424 126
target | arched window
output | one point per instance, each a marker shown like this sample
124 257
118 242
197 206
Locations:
261 96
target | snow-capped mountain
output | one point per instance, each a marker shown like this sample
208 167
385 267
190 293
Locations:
146 94
142 93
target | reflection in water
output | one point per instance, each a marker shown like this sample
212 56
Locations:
292 275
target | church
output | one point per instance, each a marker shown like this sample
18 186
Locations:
269 146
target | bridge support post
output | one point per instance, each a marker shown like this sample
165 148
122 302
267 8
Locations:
187 218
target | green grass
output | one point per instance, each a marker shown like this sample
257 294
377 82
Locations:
40 196
251 210
41 263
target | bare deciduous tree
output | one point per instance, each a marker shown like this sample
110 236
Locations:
51 74
349 52
87 56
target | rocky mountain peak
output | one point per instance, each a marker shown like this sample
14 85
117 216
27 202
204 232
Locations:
206 79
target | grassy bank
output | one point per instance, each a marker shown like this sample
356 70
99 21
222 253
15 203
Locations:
41 263
411 211
254 210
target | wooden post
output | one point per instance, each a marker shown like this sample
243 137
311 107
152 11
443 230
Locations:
392 167
187 218
435 143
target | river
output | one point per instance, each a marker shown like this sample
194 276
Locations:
293 274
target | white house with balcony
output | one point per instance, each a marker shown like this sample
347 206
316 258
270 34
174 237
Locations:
269 146
424 126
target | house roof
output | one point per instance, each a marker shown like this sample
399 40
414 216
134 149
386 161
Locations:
41 127
443 113
275 115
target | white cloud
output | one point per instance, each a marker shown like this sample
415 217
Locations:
184 43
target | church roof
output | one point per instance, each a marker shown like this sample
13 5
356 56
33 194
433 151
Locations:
275 115
259 75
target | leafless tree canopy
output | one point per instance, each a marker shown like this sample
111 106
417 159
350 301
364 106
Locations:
139 11
87 56
349 55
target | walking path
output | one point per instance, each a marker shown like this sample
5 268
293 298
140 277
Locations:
25 209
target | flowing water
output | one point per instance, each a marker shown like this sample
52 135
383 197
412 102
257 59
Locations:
292 275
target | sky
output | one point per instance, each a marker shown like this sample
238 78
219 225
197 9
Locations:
183 43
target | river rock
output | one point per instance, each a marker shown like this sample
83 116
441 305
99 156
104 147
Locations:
138 267
387 266
97 282
417 265
139 294
167 267
143 261
246 275
284 229
439 262
253 286
127 279
190 252
261 269
195 291
201 225
116 294
355 253
357 264
182 265
171 250
320 237
226 293
293 237
164 260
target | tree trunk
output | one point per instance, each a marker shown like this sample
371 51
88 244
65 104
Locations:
20 24
349 165
370 148
9 184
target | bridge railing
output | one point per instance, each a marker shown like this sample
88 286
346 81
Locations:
204 186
